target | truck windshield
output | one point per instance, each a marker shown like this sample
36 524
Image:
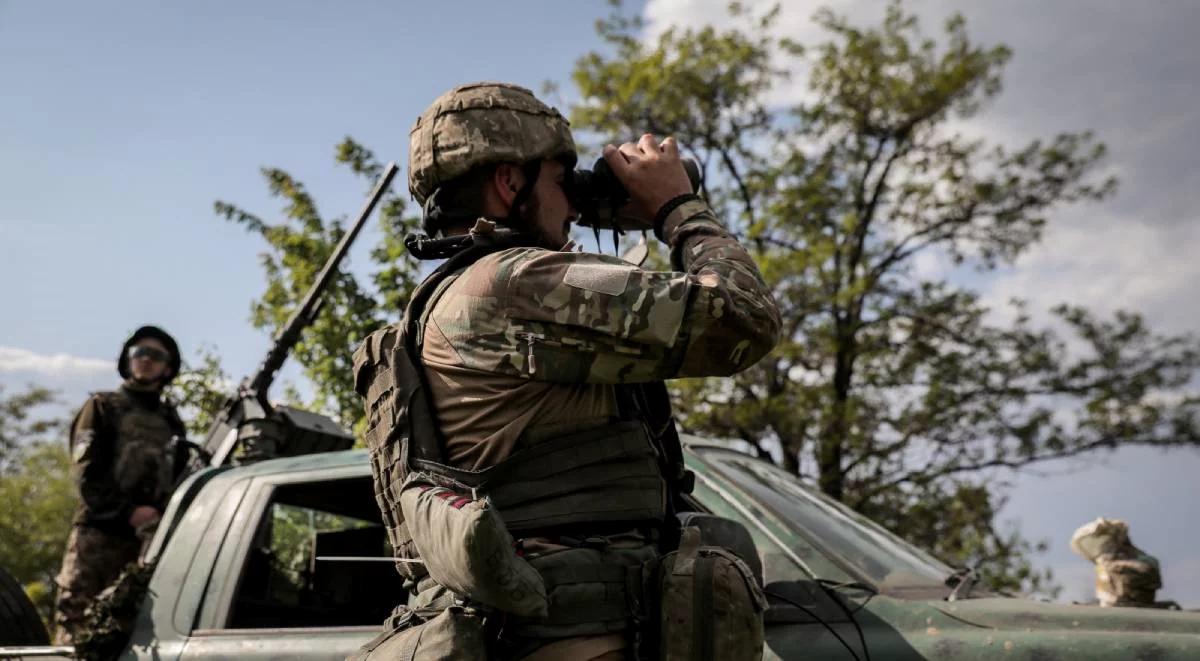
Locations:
849 538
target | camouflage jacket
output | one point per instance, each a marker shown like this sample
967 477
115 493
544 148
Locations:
528 337
125 455
571 317
1127 577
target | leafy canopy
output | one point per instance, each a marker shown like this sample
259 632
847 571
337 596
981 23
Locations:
898 391
297 247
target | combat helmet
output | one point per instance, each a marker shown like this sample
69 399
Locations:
174 362
481 124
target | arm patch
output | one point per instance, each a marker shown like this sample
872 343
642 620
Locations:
611 279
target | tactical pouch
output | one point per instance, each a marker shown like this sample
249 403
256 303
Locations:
710 604
455 634
467 549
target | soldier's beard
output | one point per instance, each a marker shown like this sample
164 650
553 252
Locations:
529 215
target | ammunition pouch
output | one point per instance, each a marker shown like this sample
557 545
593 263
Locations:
710 604
598 585
467 549
591 591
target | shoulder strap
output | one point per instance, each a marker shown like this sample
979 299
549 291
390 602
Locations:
173 419
426 442
651 402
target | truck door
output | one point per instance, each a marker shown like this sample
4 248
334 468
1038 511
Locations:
310 576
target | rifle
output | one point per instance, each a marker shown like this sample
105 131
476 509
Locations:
247 418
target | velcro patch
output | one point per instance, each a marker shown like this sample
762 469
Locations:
608 279
82 443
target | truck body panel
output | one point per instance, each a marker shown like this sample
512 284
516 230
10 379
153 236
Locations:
228 528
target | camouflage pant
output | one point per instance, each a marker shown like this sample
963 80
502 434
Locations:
92 562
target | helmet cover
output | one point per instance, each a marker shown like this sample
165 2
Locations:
480 124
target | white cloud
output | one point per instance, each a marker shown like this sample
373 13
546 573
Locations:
13 359
930 265
1138 93
70 377
1105 263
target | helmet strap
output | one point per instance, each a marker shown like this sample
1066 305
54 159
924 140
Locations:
435 218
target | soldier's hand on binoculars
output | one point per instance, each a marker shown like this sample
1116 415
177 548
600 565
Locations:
651 172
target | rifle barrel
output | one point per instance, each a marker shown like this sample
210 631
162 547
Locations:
302 316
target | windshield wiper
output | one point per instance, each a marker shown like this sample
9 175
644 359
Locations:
962 581
841 585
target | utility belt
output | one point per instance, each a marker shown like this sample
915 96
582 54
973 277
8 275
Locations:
700 601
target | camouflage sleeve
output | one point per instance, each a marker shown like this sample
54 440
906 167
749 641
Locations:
92 450
580 317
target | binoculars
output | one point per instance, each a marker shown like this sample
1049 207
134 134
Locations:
598 196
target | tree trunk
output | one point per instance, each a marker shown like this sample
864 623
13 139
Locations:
831 445
791 457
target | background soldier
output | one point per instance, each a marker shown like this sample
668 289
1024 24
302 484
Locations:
542 369
125 445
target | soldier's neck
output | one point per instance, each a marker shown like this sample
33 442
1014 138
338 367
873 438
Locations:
142 390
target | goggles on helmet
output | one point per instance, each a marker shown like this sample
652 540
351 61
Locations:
149 353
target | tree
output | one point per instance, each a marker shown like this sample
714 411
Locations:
297 248
19 424
901 394
199 392
37 492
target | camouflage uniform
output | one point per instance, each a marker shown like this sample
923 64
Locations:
1125 574
1128 577
526 344
92 562
528 337
125 455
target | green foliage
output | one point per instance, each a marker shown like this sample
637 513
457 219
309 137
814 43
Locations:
899 393
37 493
297 248
956 519
293 532
200 390
39 504
18 423
108 622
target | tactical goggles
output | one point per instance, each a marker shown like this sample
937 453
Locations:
149 353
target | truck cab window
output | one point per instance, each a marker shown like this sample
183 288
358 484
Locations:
319 558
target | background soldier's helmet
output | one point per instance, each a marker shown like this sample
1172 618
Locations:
159 334
479 124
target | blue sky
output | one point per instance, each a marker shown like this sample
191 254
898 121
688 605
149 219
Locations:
121 123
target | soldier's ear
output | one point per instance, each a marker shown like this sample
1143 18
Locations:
507 179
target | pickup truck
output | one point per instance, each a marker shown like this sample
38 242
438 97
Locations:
287 558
